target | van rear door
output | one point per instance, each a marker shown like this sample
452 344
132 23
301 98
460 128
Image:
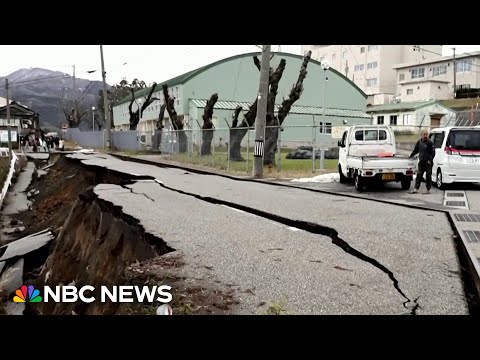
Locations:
463 148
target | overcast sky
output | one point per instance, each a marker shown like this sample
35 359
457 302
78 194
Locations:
146 62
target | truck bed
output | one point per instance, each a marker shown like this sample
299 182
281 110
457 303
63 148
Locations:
375 162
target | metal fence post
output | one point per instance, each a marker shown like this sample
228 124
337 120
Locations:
228 145
213 147
279 145
313 149
322 158
248 147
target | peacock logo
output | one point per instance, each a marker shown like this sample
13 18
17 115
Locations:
27 294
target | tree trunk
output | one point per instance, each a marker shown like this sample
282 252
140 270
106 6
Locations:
238 133
207 138
235 137
270 146
157 140
177 123
271 134
208 128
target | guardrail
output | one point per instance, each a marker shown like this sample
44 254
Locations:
8 180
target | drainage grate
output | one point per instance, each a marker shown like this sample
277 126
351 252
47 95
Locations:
455 195
472 236
467 217
455 203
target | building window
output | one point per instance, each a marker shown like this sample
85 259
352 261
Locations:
393 119
409 91
372 47
372 65
401 77
178 102
359 67
344 54
418 73
439 70
362 50
406 119
372 82
325 129
380 120
464 86
464 66
333 57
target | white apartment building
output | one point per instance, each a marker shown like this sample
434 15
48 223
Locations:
433 79
371 66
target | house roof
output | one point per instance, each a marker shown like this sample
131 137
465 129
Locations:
17 109
296 109
180 79
404 106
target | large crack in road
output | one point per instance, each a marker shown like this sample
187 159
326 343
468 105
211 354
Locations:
409 304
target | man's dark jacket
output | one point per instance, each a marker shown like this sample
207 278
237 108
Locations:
425 150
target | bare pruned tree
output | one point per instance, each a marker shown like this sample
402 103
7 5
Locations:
74 113
136 115
273 122
208 128
176 122
159 127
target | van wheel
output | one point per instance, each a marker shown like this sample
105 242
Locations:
343 179
359 183
439 180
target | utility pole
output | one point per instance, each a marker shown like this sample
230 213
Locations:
105 102
454 75
261 118
8 122
74 97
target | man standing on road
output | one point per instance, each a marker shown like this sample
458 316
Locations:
426 153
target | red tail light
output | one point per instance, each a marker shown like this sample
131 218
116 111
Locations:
409 172
451 151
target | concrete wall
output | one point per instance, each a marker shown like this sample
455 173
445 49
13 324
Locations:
424 91
443 73
343 57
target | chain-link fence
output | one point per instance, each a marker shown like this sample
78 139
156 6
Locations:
288 149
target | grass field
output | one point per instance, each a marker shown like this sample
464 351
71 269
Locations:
288 167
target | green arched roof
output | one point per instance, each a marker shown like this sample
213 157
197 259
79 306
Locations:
181 79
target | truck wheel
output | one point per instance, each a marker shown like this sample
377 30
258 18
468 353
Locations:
359 183
406 184
343 179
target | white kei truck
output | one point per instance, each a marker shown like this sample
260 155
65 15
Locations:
367 156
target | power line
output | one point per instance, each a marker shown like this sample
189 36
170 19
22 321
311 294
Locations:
416 47
33 81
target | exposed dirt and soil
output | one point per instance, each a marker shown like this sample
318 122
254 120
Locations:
96 244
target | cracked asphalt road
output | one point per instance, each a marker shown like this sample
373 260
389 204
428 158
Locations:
311 275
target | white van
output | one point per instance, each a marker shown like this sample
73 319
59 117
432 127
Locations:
457 155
